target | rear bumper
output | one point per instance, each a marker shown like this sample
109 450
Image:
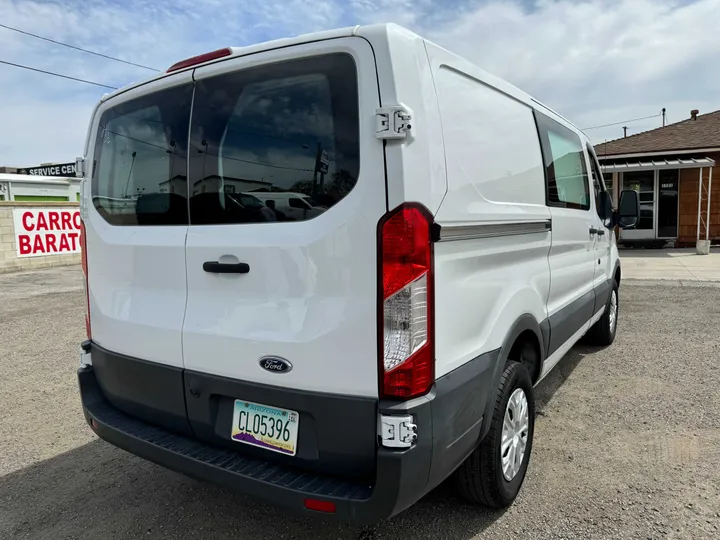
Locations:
449 422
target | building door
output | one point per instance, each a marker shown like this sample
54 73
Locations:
667 205
644 183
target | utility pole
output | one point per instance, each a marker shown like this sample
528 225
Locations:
318 154
624 131
663 115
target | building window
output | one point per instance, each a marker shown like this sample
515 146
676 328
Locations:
644 183
41 198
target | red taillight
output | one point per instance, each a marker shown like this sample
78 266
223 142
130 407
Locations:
83 249
407 349
201 58
320 506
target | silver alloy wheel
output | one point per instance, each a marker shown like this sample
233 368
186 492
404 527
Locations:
516 425
613 310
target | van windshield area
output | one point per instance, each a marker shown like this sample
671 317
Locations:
278 142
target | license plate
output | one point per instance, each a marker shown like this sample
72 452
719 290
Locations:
264 426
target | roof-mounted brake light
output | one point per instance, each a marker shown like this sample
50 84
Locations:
200 59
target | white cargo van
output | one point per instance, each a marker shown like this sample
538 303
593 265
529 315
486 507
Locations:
292 206
346 363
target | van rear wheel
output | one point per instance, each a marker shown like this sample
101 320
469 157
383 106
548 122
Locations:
493 474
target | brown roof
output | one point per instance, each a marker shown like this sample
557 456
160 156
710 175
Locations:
686 135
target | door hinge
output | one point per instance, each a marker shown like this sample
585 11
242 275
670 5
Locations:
83 201
80 173
392 122
397 431
79 167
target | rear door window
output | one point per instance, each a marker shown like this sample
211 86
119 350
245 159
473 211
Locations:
140 171
286 127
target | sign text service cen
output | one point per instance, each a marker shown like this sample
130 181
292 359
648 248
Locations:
59 169
46 231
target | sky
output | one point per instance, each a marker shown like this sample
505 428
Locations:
594 61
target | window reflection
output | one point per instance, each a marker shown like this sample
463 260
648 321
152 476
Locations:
274 143
567 179
140 154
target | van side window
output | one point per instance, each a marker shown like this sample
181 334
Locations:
140 151
298 203
565 169
596 177
287 127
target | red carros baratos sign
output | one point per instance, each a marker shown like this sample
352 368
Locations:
46 231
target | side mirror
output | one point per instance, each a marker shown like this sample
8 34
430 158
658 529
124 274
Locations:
605 209
628 213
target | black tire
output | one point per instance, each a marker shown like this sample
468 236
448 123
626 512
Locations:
602 333
480 478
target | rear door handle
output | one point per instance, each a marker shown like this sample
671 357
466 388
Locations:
226 268
599 232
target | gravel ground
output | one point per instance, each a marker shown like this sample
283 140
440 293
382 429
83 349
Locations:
627 440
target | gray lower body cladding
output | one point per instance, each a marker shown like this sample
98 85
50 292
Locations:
181 420
565 323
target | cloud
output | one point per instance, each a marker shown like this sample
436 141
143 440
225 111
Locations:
594 61
597 62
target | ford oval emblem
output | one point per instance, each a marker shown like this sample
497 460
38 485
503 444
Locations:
275 364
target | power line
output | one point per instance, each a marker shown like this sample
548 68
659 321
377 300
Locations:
623 122
164 149
57 75
206 152
252 162
76 48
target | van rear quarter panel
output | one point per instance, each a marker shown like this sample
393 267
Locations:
494 177
415 165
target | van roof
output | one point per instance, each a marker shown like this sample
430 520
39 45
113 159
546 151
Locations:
365 30
272 44
250 49
274 194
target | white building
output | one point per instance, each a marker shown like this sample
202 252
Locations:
29 188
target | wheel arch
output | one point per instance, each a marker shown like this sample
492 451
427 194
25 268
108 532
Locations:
526 327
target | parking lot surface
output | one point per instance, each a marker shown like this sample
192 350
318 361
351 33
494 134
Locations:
675 264
627 441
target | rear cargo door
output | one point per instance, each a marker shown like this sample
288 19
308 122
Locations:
300 287
137 220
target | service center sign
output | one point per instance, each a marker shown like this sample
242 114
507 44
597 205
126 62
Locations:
59 169
46 231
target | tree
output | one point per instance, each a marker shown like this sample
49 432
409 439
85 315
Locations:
342 183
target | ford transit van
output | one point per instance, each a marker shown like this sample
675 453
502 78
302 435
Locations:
346 361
